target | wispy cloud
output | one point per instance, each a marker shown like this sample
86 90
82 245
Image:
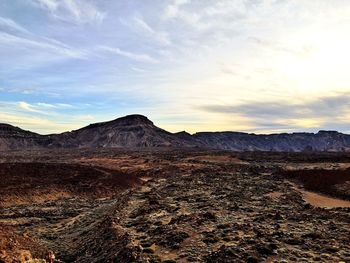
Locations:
131 55
9 24
42 117
173 10
23 43
26 106
42 107
76 11
49 4
303 51
218 15
139 25
42 125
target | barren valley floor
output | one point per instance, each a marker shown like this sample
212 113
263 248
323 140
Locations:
177 205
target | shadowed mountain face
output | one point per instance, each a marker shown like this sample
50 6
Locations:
293 142
15 138
130 131
137 131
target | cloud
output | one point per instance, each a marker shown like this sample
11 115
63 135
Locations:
326 106
27 52
35 123
9 24
316 113
43 105
77 11
23 120
17 41
25 106
49 4
172 10
139 25
139 70
175 11
130 55
22 42
210 16
40 107
303 51
43 117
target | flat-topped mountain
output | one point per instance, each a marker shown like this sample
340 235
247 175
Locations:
130 131
291 142
137 131
129 120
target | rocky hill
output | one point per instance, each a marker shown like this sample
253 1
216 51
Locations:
137 131
129 131
15 138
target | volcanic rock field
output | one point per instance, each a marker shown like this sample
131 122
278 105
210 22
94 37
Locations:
173 206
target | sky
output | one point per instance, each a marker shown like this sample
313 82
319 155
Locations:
262 66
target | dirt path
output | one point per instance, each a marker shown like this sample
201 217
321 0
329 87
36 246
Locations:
320 200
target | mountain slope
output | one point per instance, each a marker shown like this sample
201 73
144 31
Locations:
12 137
130 131
294 142
137 131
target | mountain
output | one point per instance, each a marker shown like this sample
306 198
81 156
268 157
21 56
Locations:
131 131
291 142
137 131
12 137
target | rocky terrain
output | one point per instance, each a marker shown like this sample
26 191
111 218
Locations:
15 138
137 131
128 132
168 205
284 142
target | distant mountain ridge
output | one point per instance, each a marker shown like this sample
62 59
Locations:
137 131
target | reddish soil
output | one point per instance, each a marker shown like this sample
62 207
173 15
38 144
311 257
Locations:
330 182
22 183
15 247
319 200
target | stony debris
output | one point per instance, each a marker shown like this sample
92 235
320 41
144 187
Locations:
201 209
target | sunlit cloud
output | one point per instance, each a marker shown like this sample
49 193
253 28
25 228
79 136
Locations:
317 113
25 106
44 118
